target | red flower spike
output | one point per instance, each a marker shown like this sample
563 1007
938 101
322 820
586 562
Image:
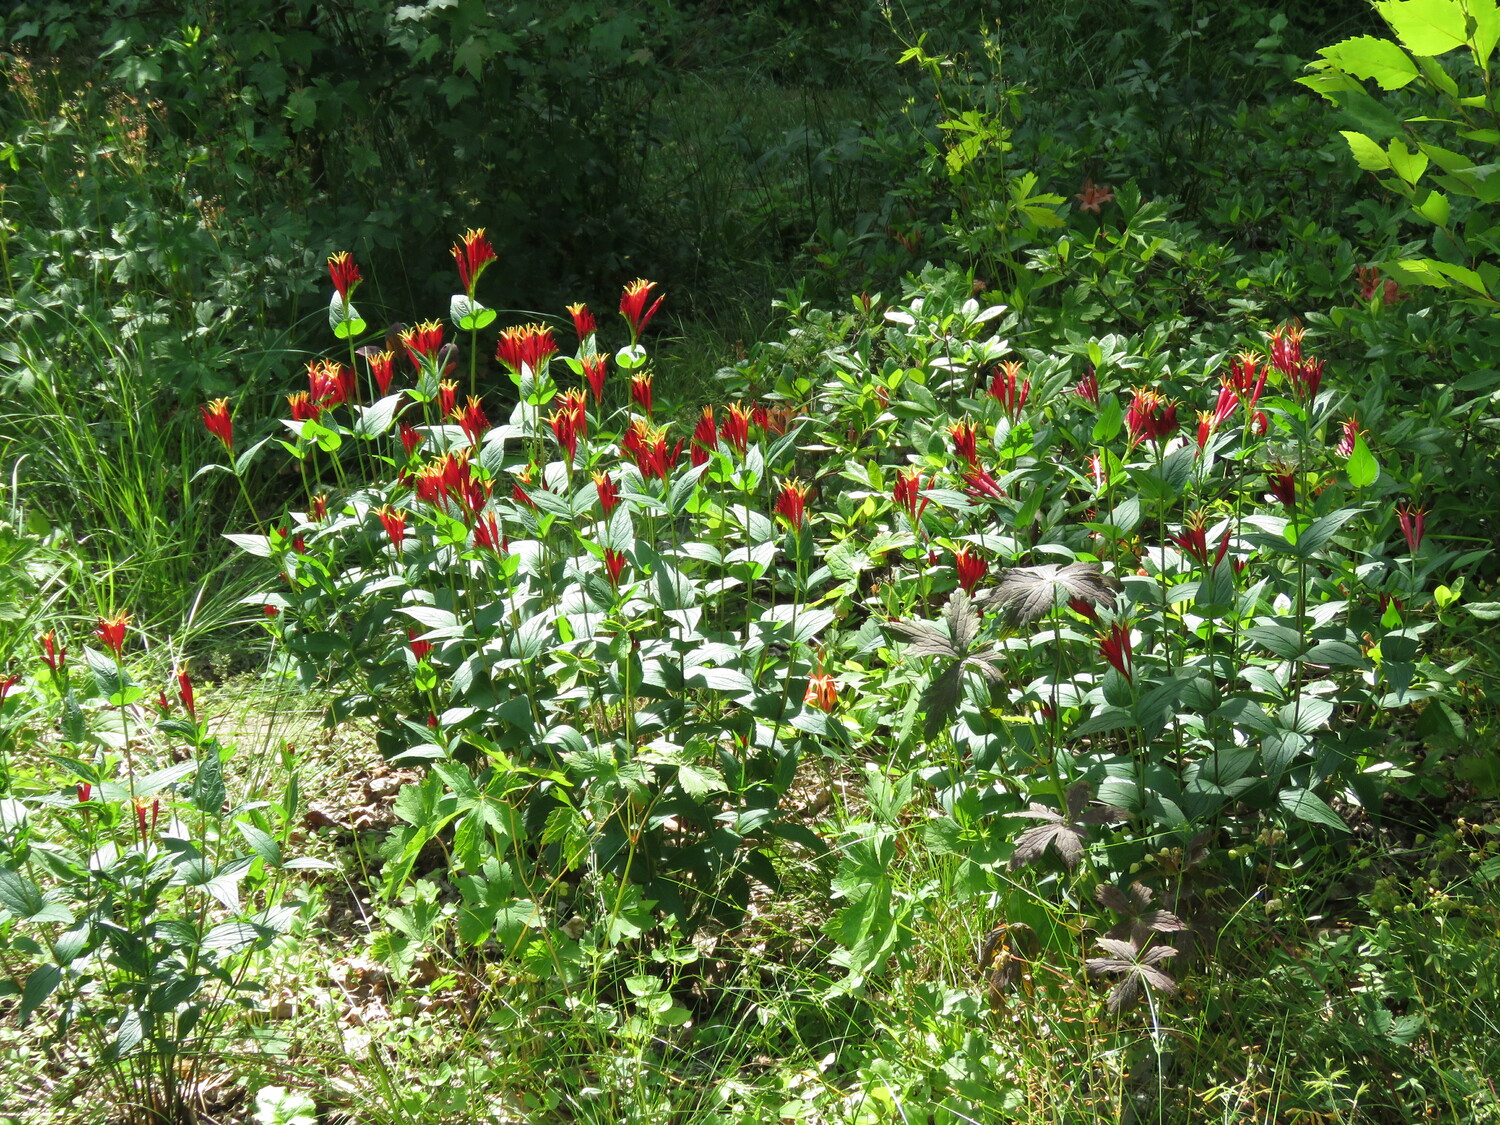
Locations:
1087 388
5 686
1304 375
1193 540
270 610
1083 608
471 254
411 439
344 273
488 535
735 429
54 656
1248 378
85 790
822 692
217 420
1351 434
568 423
1151 416
1007 391
185 692
1206 425
423 343
1228 399
633 306
1283 484
965 441
111 631
583 321
382 369
472 421
528 346
614 563
595 367
907 494
1413 525
971 568
609 493
791 503
705 438
978 482
303 408
640 392
447 398
1114 646
1260 424
394 522
419 649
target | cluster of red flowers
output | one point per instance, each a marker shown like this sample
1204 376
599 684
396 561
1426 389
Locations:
907 493
1303 373
1193 540
451 480
569 422
423 344
1008 391
647 446
634 309
791 503
471 255
528 346
1151 416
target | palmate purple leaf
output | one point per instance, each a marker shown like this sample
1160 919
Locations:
1063 834
1136 969
1139 921
924 638
1029 593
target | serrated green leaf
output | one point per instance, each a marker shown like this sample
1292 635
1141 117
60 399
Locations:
1367 154
1365 56
1425 27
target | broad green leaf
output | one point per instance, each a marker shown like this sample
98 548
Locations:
1434 208
1405 163
1367 154
1425 27
1306 805
1362 467
1365 56
42 982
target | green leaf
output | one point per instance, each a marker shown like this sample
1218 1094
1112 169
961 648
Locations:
1362 467
1306 805
467 315
1435 208
1425 27
1367 154
262 843
231 936
1407 164
1365 56
42 982
25 900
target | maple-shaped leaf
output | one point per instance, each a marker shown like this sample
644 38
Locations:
1029 593
1064 833
1139 919
954 639
1135 967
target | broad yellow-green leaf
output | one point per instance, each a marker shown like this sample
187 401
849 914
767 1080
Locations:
1425 27
1368 57
1367 154
1433 71
1463 275
1363 469
1328 81
1486 17
1407 164
1434 208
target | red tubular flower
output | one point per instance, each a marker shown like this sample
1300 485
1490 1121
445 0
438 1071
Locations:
488 535
317 508
735 429
447 398
1151 416
583 321
640 392
185 692
518 490
633 306
1228 399
1413 525
1206 426
907 494
614 563
471 255
423 343
411 439
1083 608
965 441
1194 540
1351 434
1282 480
1260 423
344 273
419 649
569 422
609 494
270 610
822 692
1305 375
329 382
141 808
1010 394
1114 646
394 522
528 346
595 367
971 567
791 503
85 790
472 421
111 631
217 420
382 369
978 482
54 656
304 409
705 438
1087 388
5 686
1248 378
